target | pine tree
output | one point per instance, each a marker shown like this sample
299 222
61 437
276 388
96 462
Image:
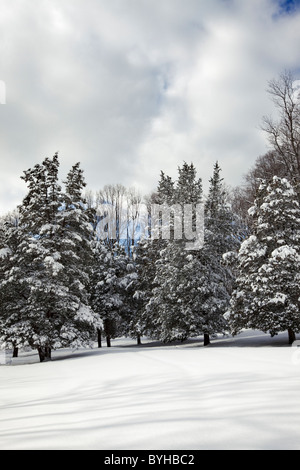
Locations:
146 253
189 298
108 286
188 188
173 305
220 237
11 299
75 233
220 220
267 293
30 268
140 289
165 190
131 325
192 288
48 268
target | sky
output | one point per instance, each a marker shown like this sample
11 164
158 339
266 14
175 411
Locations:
132 87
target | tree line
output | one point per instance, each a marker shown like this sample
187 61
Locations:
65 284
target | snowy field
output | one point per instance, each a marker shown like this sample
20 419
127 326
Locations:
240 393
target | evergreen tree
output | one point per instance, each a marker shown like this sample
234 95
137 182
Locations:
48 268
188 188
108 287
220 237
189 298
75 233
220 220
165 190
11 298
267 293
140 289
146 254
29 273
191 293
173 304
131 325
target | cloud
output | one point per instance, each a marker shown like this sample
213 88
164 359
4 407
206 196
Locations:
130 87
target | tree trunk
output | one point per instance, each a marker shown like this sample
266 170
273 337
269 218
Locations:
292 336
108 342
99 338
44 353
206 339
139 341
15 352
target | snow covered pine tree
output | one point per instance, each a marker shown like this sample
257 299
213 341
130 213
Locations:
145 255
191 291
219 237
29 324
267 293
109 266
11 298
75 230
48 265
173 306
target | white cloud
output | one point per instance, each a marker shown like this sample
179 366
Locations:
130 87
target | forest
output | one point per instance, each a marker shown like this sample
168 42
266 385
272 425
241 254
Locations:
70 279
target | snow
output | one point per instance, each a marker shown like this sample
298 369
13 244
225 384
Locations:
252 211
4 252
284 252
47 228
53 264
279 298
237 393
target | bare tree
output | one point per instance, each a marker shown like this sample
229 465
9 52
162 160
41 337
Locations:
111 202
89 197
242 197
134 216
284 133
283 159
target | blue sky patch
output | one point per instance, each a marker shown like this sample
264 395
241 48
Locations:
289 6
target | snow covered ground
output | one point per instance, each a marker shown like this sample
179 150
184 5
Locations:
238 393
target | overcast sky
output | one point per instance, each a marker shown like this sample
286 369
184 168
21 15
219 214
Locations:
132 87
